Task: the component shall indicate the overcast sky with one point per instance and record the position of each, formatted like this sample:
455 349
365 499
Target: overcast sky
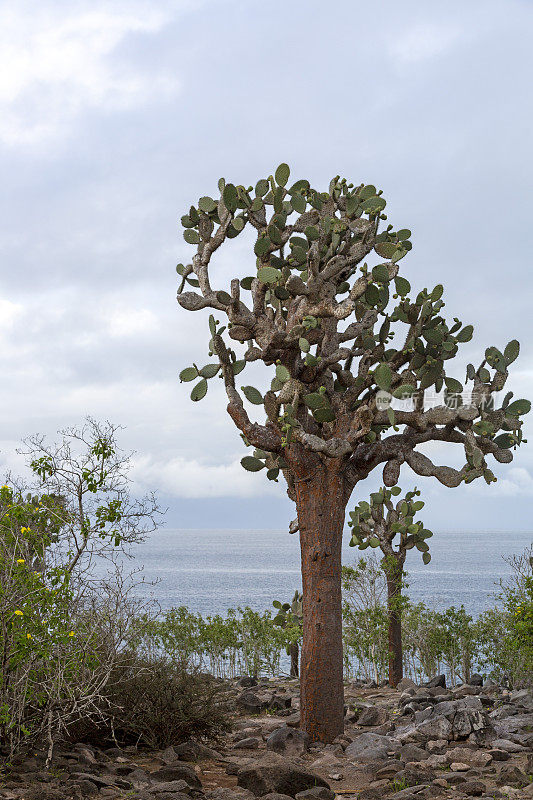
116 116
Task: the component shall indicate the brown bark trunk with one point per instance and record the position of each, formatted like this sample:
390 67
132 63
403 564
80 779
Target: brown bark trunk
321 506
394 593
294 652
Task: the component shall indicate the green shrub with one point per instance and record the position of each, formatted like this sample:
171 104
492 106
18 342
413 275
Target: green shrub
158 702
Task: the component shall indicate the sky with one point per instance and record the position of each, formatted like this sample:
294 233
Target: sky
116 117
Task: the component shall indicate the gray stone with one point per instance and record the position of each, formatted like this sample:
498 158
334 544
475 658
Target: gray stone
250 743
375 715
316 793
177 772
274 773
438 680
288 740
370 747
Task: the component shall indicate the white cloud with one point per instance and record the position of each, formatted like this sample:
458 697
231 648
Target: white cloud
424 41
57 62
517 481
180 477
124 322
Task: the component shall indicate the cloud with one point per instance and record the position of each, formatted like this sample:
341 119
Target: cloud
424 41
59 61
180 477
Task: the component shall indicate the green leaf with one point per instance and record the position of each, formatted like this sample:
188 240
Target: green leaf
504 441
304 345
269 275
381 274
403 391
272 474
324 414
298 203
282 373
311 360
262 246
282 174
199 391
246 283
426 558
367 191
314 400
238 223
395 490
373 541
209 371
230 197
191 236
465 334
436 294
252 464
238 366
385 249
390 415
212 325
253 395
383 376
518 408
312 233
511 351
403 233
453 386
224 298
206 204
188 374
403 287
262 187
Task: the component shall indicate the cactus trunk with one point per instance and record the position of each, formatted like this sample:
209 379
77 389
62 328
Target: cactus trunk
394 595
321 507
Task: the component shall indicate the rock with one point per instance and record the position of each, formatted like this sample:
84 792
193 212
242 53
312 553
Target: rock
274 773
275 796
279 703
459 766
375 715
476 758
473 788
406 683
370 747
410 752
476 680
169 789
437 746
511 774
177 772
436 728
253 702
438 680
316 793
250 743
233 793
288 740
499 755
247 681
507 745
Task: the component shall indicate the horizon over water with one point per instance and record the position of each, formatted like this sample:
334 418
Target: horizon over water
210 571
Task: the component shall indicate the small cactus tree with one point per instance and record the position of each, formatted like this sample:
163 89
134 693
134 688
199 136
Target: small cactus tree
377 524
326 311
289 617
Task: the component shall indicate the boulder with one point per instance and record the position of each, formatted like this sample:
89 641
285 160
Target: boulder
274 773
316 793
406 683
247 681
438 680
177 772
375 715
290 741
249 743
476 680
370 747
254 702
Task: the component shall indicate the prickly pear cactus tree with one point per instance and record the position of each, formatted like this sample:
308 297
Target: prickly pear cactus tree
324 308
389 524
290 617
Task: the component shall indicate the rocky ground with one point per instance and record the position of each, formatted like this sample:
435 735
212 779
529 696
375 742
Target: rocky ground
470 741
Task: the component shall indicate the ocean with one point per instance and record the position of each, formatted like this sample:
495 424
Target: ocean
210 571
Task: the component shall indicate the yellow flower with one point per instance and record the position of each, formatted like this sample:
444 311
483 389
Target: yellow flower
29 636
72 633
25 530
19 613
20 561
